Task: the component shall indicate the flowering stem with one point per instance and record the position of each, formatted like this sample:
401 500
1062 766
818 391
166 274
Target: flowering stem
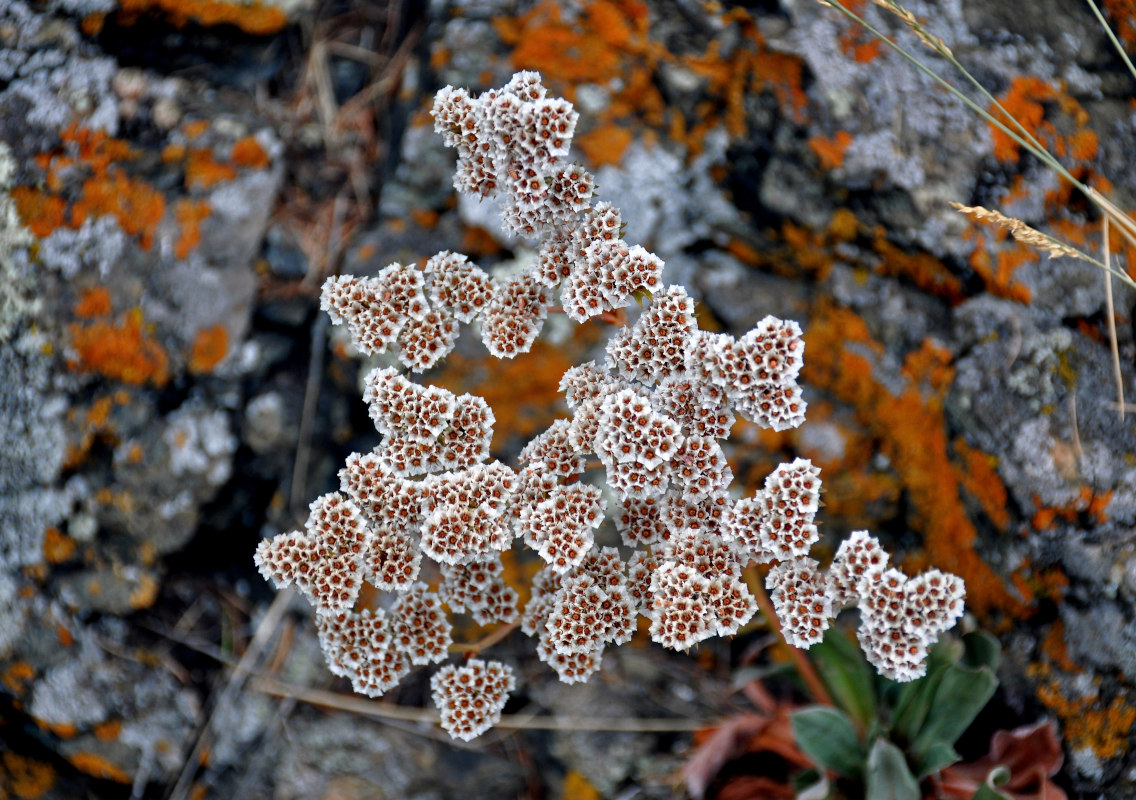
618 317
804 667
473 648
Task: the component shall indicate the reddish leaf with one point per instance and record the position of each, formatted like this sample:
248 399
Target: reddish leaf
1032 754
727 742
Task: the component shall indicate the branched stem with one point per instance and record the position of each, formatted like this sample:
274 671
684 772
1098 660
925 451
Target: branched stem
473 648
804 667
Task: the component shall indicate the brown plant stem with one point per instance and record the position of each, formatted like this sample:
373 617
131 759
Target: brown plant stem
618 317
473 648
804 667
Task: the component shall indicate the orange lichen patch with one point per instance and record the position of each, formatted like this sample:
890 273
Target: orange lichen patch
42 213
1044 584
1087 722
478 242
120 351
57 546
518 574
247 152
1087 503
145 593
136 205
928 273
978 478
997 273
585 51
96 148
209 347
190 214
64 730
98 767
1122 13
254 18
524 392
172 153
94 302
16 677
107 191
743 252
425 217
108 731
608 44
1079 233
911 431
605 144
202 171
830 152
1023 100
807 250
1026 102
24 777
1053 645
859 45
92 24
1083 144
577 787
65 637
194 128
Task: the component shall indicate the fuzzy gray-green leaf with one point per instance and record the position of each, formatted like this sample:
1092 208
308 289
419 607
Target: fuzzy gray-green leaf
827 736
888 777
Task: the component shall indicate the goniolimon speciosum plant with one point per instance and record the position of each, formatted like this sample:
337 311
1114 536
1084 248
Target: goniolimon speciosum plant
429 503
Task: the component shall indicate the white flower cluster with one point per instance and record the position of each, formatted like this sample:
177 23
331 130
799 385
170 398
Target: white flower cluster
655 416
900 616
471 697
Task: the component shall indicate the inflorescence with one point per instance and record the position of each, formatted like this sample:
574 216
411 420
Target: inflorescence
655 415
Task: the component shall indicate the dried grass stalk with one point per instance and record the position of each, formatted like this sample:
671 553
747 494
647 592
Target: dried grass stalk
1022 232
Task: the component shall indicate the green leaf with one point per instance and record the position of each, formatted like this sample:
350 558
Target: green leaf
960 695
846 675
986 793
913 701
982 650
888 777
827 736
939 756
